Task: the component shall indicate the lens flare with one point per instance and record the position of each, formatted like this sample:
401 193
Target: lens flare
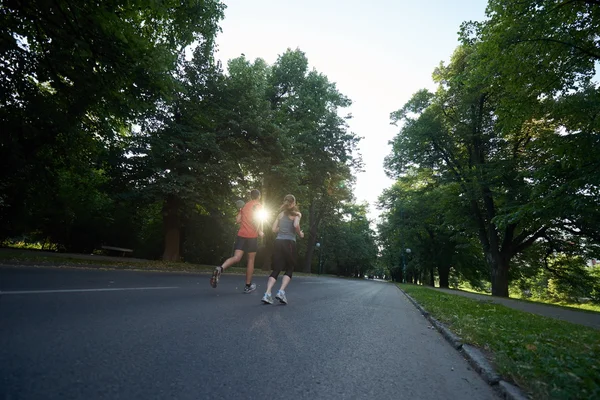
262 215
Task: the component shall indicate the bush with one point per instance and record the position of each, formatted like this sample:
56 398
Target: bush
572 280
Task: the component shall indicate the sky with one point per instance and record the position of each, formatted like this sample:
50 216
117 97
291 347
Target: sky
379 53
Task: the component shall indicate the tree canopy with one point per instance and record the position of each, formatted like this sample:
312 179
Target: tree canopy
511 133
119 113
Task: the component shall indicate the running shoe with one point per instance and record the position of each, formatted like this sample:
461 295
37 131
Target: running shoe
267 298
281 296
214 279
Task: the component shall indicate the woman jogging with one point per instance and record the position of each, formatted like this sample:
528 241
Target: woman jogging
286 225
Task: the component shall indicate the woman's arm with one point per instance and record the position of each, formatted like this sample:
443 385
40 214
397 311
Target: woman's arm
297 225
238 218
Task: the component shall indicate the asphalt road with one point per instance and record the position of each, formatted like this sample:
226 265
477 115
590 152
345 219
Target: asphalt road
78 334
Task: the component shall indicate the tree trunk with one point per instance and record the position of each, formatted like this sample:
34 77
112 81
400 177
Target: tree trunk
172 227
269 239
266 251
499 267
310 248
313 219
431 277
444 273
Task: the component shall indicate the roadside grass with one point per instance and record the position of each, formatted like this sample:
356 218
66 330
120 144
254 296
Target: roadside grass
514 295
31 258
548 358
20 244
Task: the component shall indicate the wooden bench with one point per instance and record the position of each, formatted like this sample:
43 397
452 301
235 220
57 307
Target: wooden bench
118 249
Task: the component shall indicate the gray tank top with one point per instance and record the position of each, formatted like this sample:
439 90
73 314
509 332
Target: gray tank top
286 229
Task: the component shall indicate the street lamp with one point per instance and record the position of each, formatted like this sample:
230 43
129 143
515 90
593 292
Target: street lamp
318 245
404 264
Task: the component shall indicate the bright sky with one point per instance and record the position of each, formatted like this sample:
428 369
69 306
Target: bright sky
379 53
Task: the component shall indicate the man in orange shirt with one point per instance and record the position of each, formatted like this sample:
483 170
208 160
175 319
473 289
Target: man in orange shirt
246 241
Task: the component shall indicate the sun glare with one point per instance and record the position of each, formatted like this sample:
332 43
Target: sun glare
262 215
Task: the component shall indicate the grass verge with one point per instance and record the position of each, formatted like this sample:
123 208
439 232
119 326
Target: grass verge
548 358
31 258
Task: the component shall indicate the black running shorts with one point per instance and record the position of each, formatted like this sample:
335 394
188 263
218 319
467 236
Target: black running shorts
249 245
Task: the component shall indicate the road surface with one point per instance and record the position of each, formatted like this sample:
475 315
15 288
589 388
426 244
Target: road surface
82 334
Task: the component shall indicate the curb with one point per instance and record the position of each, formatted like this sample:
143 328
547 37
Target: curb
474 356
450 336
481 364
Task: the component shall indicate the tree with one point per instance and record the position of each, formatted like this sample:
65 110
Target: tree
537 60
425 217
455 131
297 142
492 126
349 247
73 76
182 156
322 151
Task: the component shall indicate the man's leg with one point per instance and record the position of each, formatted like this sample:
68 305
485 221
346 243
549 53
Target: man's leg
251 248
250 268
237 256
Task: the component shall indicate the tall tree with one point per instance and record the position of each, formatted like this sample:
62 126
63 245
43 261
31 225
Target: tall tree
349 247
73 76
422 214
181 155
495 157
298 143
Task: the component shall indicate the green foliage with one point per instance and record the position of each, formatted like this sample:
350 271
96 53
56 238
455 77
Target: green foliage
549 358
136 146
571 280
423 216
513 125
349 247
74 76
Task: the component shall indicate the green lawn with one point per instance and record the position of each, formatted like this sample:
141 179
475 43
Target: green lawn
31 257
28 258
548 358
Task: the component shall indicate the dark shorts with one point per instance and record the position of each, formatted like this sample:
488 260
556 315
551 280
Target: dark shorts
249 245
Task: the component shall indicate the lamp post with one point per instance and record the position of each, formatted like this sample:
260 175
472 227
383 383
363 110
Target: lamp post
404 264
318 245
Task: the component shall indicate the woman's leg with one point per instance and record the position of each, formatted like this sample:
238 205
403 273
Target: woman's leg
284 282
290 258
270 283
278 264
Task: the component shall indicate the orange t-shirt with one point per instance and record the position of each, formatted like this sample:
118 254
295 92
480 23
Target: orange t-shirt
248 227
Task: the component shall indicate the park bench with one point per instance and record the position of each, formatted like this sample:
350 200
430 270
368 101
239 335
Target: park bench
121 250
